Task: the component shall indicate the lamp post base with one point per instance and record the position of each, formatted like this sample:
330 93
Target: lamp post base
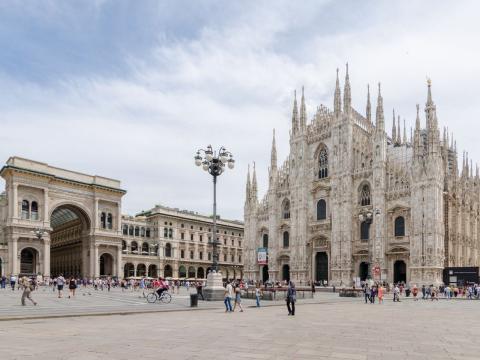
214 290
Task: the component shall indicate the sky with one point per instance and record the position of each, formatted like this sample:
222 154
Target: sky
131 89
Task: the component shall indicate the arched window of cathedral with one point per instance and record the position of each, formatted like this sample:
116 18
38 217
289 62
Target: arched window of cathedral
364 230
365 195
286 209
286 239
25 209
34 210
400 226
321 210
265 240
323 163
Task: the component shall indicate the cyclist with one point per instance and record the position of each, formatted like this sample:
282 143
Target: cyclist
162 286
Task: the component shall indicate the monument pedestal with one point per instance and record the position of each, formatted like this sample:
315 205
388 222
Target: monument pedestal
214 290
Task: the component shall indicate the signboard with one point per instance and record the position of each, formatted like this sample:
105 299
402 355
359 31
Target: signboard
262 256
376 270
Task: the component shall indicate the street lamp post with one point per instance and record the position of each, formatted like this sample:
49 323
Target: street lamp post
214 162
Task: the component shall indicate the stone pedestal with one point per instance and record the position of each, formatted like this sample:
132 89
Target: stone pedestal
214 290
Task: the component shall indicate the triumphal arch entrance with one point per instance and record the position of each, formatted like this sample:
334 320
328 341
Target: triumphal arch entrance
80 213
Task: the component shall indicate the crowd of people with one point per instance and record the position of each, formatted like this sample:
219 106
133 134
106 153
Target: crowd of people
377 290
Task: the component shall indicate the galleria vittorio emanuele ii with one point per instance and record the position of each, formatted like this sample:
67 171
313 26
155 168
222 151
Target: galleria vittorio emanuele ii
352 202
86 234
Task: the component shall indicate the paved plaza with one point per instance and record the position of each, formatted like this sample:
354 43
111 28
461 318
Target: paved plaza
325 327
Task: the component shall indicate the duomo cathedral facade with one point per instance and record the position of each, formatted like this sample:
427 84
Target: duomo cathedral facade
352 202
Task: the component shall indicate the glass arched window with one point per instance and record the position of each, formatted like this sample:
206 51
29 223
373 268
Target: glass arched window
125 229
286 209
400 226
323 164
34 212
109 221
165 232
137 231
147 232
365 195
103 220
130 230
168 250
145 248
321 210
364 230
286 239
265 240
25 209
170 233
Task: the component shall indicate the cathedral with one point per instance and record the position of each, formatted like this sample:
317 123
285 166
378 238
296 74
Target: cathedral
352 202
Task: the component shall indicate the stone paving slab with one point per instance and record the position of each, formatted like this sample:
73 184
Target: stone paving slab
330 330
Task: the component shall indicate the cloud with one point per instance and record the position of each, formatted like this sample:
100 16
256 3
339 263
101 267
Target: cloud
142 99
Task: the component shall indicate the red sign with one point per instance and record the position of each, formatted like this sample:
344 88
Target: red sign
376 270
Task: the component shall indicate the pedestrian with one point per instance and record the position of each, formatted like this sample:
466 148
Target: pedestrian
227 297
27 290
13 280
60 283
366 293
396 294
380 294
72 285
238 299
257 294
372 295
291 298
4 281
424 292
415 292
200 290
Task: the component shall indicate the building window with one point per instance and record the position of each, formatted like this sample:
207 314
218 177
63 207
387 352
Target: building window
168 250
134 246
286 239
365 195
145 248
103 220
200 255
323 163
224 241
191 227
239 258
286 209
400 226
130 231
124 245
182 254
233 242
239 243
201 228
165 232
142 232
182 226
321 210
201 238
125 229
170 233
191 237
233 258
209 256
109 221
265 240
191 255
34 210
364 230
147 232
25 209
225 257
182 236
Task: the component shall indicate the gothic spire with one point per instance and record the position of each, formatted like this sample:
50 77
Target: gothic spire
379 119
347 95
369 106
254 184
404 133
417 120
394 130
303 112
273 158
295 113
399 133
337 102
248 188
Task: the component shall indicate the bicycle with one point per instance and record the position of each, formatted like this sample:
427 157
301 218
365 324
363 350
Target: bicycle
164 298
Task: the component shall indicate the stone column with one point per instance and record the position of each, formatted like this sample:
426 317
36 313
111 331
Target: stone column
119 217
46 218
92 261
13 247
15 201
119 262
95 214
46 257
96 262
